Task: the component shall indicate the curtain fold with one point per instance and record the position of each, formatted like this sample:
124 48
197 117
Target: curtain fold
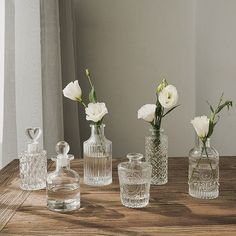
32 79
69 73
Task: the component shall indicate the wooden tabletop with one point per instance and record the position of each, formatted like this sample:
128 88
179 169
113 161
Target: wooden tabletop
171 210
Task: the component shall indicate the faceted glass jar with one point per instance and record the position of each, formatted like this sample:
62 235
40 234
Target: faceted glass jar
33 170
203 172
63 187
97 158
135 179
156 149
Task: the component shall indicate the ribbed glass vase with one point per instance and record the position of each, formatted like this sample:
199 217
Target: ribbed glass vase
156 149
203 171
97 158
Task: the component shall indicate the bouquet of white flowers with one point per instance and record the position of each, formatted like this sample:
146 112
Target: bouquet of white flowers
204 127
156 145
95 111
167 98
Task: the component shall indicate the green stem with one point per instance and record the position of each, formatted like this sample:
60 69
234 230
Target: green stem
83 104
101 139
90 82
208 159
194 169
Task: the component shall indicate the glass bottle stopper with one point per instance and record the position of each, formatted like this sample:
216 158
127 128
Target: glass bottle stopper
62 148
33 134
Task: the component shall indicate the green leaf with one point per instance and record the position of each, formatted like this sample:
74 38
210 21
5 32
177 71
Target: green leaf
92 95
227 104
212 110
170 110
211 128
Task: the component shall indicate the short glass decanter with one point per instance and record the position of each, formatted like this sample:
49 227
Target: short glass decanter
97 158
63 184
203 171
33 163
156 149
135 179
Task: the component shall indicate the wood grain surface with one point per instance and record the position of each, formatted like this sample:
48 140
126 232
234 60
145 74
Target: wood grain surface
171 210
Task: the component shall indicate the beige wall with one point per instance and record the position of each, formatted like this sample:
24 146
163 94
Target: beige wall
216 65
129 45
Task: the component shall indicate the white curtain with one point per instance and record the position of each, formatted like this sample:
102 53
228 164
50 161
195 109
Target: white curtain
32 81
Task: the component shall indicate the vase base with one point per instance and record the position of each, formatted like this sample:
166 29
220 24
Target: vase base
159 182
203 194
33 187
97 181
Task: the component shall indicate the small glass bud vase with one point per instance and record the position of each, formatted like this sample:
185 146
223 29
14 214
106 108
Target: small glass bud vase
156 149
33 163
97 158
63 184
203 171
135 179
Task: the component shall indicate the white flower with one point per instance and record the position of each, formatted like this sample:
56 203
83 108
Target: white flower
147 112
168 97
201 126
73 91
95 111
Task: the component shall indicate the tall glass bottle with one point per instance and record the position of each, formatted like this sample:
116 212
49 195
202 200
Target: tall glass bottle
33 163
63 184
156 149
203 171
97 158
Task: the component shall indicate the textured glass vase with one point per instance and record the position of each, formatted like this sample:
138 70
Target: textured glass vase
134 178
156 149
203 171
97 158
63 184
33 163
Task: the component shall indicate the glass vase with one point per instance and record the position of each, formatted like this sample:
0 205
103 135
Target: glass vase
33 170
203 171
156 149
97 158
63 184
33 162
134 178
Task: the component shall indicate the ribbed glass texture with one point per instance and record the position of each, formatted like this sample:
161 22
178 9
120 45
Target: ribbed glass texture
97 158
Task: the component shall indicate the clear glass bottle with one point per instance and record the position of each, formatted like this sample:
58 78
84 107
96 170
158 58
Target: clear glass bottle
33 163
135 179
63 184
203 171
156 149
97 158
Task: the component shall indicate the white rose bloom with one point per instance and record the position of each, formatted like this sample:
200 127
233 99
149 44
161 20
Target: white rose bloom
168 97
201 126
147 112
95 111
73 91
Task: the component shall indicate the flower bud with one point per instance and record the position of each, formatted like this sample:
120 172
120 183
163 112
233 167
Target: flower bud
162 85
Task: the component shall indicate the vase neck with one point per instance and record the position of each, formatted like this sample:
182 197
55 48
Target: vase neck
200 143
97 130
134 157
154 131
62 164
